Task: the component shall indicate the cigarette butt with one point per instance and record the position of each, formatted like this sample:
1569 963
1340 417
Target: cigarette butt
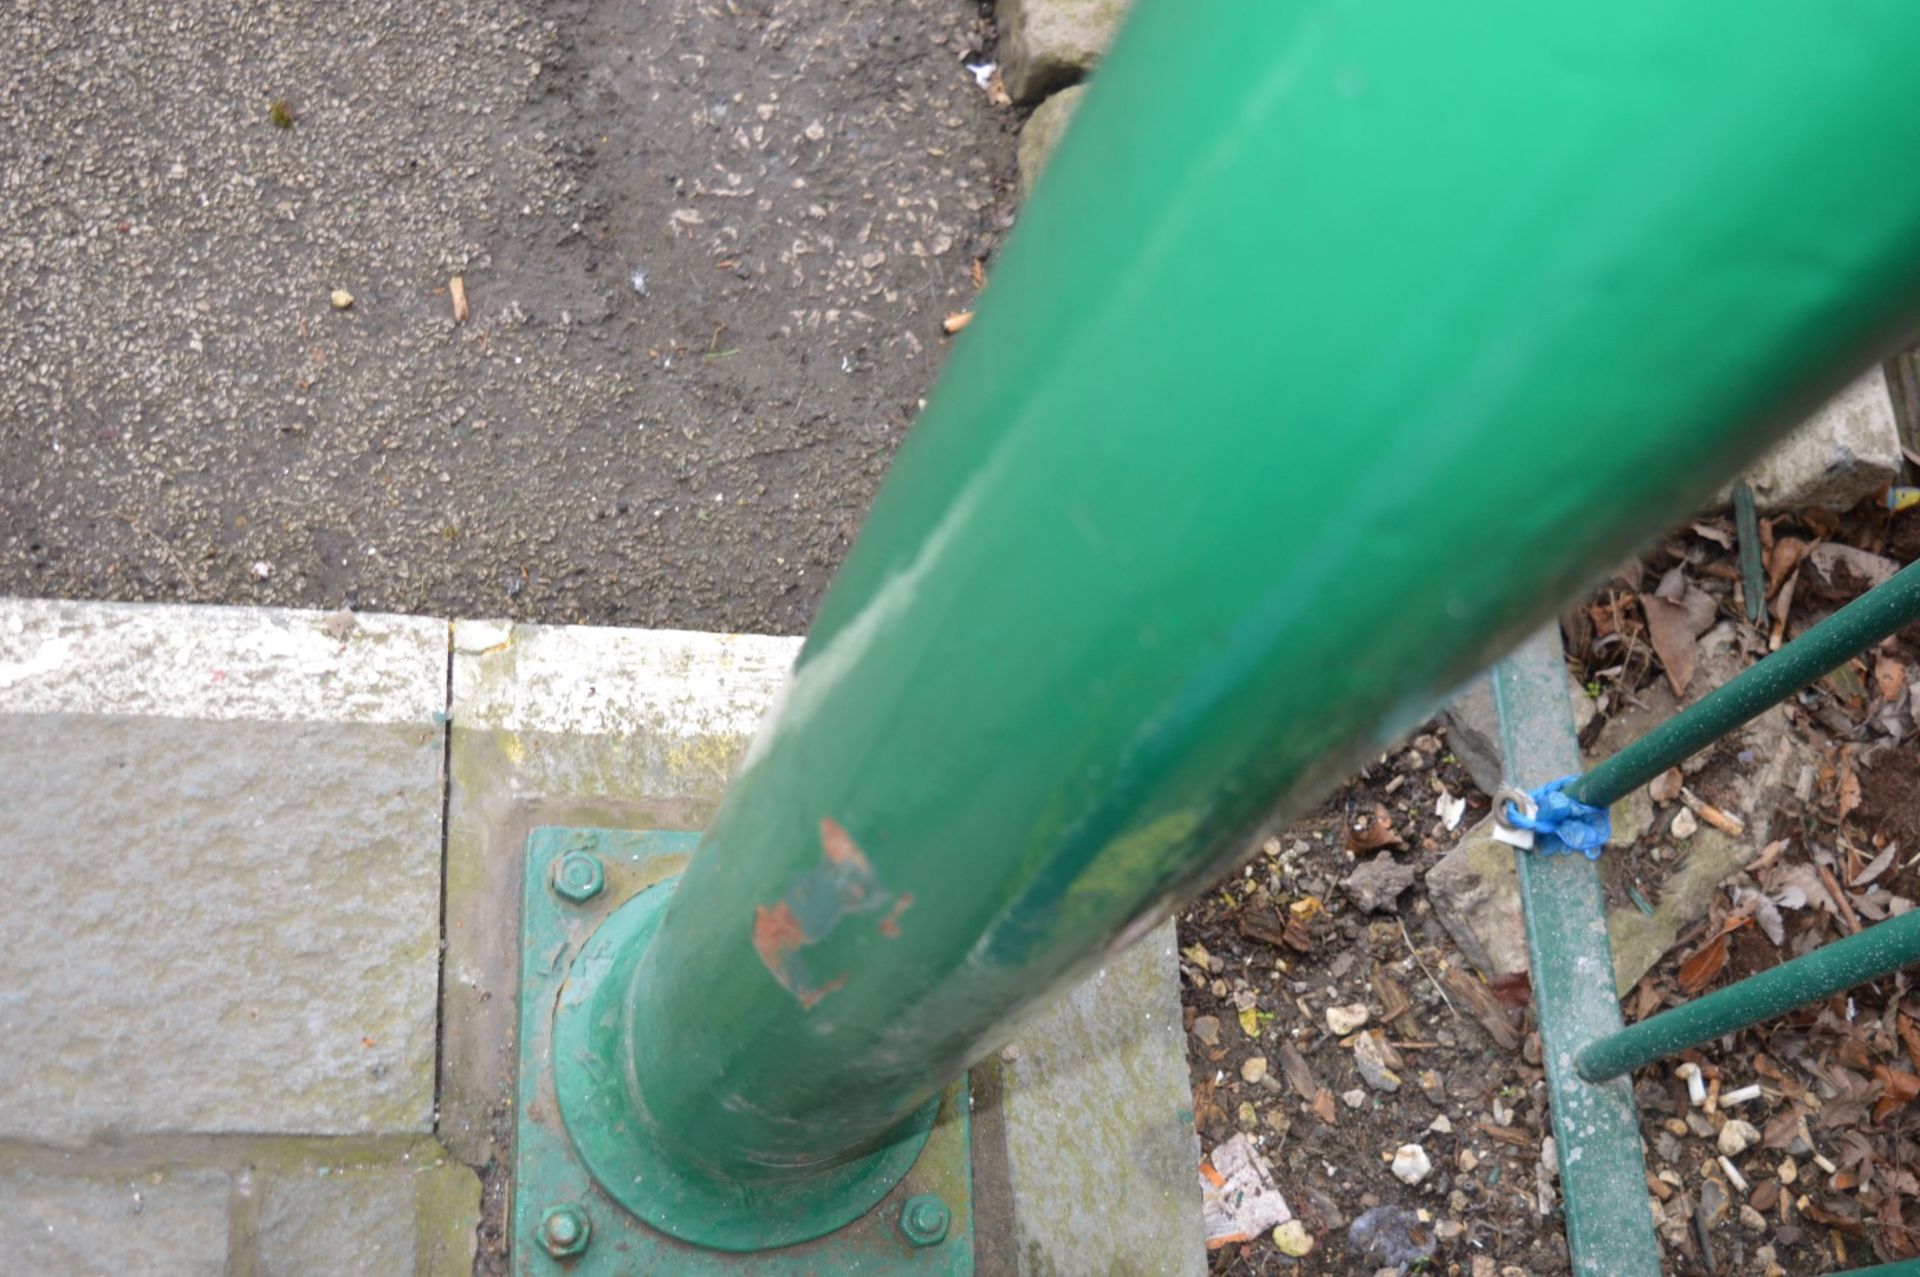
1734 1177
955 322
457 289
1740 1096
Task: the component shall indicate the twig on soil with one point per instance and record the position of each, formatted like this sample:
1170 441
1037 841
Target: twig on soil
1412 953
1840 900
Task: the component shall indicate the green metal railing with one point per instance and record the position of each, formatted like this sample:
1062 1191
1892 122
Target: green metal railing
1875 952
1329 359
1587 1051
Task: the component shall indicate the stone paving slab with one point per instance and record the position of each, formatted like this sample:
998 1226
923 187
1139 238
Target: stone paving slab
156 1225
1048 44
1096 1117
1847 451
329 1222
246 1207
220 834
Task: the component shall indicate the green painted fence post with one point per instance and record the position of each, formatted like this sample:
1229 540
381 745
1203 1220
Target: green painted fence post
1342 342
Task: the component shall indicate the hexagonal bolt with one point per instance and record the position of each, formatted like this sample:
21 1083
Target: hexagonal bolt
565 1230
924 1220
579 877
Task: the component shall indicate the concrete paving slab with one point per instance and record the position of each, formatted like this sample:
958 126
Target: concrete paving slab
220 831
1095 1111
1847 451
157 1225
325 1222
1047 44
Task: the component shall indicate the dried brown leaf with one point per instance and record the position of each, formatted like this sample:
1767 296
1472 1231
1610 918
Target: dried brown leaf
1879 865
1832 1219
1849 788
1390 994
1262 924
1782 605
1889 678
1703 967
1909 1038
1783 1128
1838 563
1671 630
1782 559
1371 833
1514 989
1894 1235
1902 1088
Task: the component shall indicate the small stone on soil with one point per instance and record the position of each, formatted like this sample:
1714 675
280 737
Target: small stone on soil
1344 1020
1410 1164
1369 1058
1293 1238
1375 886
1736 1137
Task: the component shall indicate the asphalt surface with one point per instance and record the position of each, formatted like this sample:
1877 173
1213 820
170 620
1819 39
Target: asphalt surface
706 249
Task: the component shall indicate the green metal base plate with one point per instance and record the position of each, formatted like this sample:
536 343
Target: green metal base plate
576 881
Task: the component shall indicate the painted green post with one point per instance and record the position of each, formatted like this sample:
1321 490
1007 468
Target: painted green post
1879 950
1595 1124
1341 343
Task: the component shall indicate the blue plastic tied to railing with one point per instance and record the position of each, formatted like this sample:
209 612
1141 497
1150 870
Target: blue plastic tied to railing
1559 821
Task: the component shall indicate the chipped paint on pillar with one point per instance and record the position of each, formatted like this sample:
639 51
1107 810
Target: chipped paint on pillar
813 905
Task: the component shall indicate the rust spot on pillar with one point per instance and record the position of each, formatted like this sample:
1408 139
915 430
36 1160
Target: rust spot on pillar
813 905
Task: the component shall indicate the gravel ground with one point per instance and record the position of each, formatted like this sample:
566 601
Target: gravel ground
706 249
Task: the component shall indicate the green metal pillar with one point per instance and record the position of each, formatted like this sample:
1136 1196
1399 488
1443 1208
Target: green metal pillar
1341 344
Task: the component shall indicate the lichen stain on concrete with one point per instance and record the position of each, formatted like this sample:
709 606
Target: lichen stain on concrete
813 905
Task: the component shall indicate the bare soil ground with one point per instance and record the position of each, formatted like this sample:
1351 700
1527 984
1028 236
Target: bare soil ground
1830 1162
706 245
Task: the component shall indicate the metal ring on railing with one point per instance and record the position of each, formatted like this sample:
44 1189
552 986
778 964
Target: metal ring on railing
1520 798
